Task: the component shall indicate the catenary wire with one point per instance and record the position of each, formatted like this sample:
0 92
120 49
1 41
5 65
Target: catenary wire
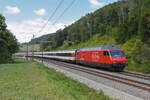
65 10
52 15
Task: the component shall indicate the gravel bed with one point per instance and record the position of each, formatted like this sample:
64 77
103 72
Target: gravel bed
111 88
116 74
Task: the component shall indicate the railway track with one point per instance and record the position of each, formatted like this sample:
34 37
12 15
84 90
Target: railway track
134 83
137 75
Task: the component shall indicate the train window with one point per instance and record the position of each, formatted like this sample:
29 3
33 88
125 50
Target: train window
49 54
106 53
63 54
116 53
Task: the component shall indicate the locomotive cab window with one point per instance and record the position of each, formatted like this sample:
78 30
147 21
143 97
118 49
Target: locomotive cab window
116 53
106 53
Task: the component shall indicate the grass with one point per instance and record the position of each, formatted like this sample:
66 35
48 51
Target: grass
26 80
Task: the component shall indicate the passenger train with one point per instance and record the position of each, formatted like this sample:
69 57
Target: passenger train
110 57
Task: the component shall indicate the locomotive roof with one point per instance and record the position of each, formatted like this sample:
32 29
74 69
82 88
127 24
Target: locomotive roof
101 47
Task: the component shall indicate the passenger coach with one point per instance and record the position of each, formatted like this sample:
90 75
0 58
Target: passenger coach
64 55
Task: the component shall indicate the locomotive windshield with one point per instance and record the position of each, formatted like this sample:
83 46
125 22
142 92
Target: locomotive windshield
116 53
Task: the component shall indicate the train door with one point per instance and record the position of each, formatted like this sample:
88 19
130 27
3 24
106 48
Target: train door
106 57
101 57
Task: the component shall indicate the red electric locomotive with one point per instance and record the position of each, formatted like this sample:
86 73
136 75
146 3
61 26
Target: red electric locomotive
105 56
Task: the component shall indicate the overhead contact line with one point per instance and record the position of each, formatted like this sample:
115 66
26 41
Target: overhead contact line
65 10
52 15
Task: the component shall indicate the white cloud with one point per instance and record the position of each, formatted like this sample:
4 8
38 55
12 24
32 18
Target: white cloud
95 3
25 29
12 10
40 12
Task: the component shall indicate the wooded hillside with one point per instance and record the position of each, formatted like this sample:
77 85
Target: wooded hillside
125 23
39 39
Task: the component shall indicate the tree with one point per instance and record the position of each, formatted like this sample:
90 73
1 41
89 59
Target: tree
8 43
4 53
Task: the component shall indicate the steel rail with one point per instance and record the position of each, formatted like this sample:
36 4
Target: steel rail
103 75
118 77
145 77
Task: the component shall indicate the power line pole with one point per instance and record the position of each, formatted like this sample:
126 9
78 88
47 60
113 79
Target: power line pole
91 28
42 55
27 52
89 23
33 48
43 48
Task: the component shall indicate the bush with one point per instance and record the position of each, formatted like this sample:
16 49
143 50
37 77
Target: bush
143 54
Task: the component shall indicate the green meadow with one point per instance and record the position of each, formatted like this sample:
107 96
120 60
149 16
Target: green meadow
26 80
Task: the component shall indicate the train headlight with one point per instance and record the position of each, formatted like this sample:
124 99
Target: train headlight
124 62
114 62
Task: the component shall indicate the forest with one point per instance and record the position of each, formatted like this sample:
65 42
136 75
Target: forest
8 43
125 23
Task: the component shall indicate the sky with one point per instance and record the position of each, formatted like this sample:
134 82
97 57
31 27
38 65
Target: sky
25 18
